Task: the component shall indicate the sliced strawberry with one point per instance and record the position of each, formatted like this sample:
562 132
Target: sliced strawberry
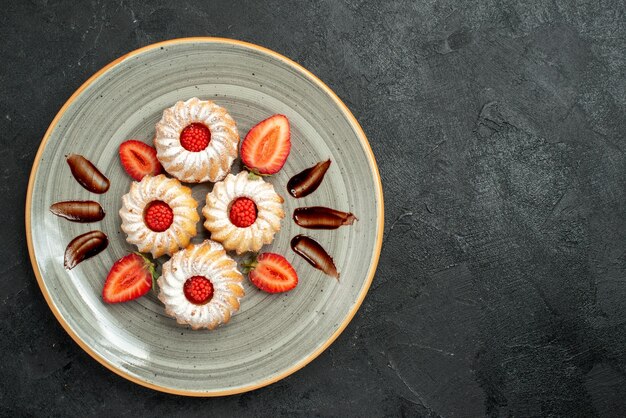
139 159
271 273
266 147
130 277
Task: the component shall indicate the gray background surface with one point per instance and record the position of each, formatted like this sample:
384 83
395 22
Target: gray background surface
499 129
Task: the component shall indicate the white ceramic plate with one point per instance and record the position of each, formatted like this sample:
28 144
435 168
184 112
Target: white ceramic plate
272 336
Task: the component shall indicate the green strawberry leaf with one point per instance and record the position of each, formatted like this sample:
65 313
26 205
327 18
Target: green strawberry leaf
249 264
151 268
254 173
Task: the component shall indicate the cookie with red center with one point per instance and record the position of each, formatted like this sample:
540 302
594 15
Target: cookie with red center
195 137
196 141
201 286
158 216
243 212
198 290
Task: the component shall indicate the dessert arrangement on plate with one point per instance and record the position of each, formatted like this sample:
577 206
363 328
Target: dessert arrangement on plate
200 285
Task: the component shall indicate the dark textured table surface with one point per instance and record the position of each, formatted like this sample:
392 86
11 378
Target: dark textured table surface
500 134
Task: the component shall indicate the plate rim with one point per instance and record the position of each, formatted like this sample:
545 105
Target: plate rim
377 246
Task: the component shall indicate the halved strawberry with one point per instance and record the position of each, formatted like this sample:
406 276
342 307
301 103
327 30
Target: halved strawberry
266 147
139 159
271 273
130 277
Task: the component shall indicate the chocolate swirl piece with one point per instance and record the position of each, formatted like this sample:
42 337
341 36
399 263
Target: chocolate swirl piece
87 174
306 182
83 247
78 210
316 256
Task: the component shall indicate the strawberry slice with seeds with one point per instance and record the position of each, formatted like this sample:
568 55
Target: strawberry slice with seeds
130 277
266 147
271 273
139 159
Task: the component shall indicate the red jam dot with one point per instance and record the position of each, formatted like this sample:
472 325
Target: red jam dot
158 216
195 137
198 290
243 212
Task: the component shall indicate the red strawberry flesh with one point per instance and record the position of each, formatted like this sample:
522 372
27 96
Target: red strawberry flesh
139 159
266 147
129 278
272 273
